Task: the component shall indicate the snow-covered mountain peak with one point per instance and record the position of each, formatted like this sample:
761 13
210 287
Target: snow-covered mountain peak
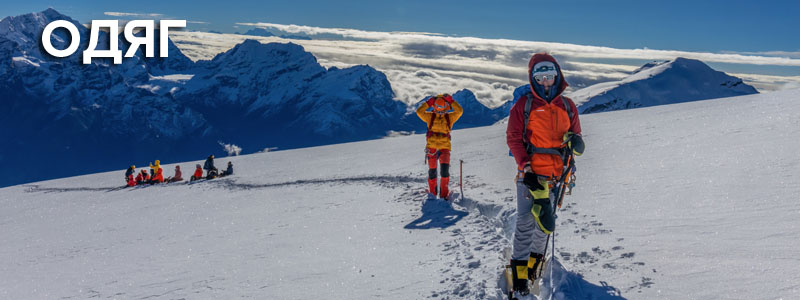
30 23
26 30
683 65
369 83
650 65
467 99
255 52
658 83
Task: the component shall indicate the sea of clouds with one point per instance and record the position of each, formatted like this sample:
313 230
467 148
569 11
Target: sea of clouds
423 64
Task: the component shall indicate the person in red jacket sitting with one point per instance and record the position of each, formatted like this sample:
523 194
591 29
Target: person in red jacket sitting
198 173
158 177
131 181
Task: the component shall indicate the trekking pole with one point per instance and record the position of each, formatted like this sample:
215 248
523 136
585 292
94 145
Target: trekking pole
556 204
552 259
461 177
561 188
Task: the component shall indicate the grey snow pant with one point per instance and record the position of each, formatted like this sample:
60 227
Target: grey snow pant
528 237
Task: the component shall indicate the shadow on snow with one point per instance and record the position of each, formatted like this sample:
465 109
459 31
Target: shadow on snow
383 180
570 285
436 214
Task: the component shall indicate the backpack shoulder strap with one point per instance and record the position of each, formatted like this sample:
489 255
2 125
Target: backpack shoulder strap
568 107
528 103
447 119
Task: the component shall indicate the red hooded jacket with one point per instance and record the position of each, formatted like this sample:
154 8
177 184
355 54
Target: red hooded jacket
546 125
159 177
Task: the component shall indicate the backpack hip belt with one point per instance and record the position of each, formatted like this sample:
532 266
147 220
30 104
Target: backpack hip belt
431 133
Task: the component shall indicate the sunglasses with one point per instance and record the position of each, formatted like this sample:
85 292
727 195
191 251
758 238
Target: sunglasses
540 78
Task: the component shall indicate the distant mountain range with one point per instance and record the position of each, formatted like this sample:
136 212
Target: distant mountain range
78 119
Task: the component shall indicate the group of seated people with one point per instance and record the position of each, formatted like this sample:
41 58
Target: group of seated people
211 170
156 174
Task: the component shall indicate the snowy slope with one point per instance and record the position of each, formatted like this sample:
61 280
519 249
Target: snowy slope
687 201
676 81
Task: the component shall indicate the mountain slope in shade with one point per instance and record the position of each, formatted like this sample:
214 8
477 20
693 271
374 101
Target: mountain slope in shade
475 113
82 118
277 93
676 81
87 118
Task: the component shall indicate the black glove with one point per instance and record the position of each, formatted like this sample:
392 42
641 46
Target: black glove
532 182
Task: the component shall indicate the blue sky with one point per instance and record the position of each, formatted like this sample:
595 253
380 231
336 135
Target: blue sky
715 26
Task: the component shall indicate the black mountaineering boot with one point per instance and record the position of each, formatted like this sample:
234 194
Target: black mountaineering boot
519 271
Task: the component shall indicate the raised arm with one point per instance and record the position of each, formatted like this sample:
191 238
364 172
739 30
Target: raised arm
457 112
422 112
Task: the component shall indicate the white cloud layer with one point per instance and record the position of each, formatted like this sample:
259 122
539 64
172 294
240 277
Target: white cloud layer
133 15
422 64
471 43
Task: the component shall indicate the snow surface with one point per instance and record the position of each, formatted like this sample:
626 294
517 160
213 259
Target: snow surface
686 201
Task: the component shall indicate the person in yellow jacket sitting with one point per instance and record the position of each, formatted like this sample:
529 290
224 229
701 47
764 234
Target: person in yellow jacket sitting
444 113
158 176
